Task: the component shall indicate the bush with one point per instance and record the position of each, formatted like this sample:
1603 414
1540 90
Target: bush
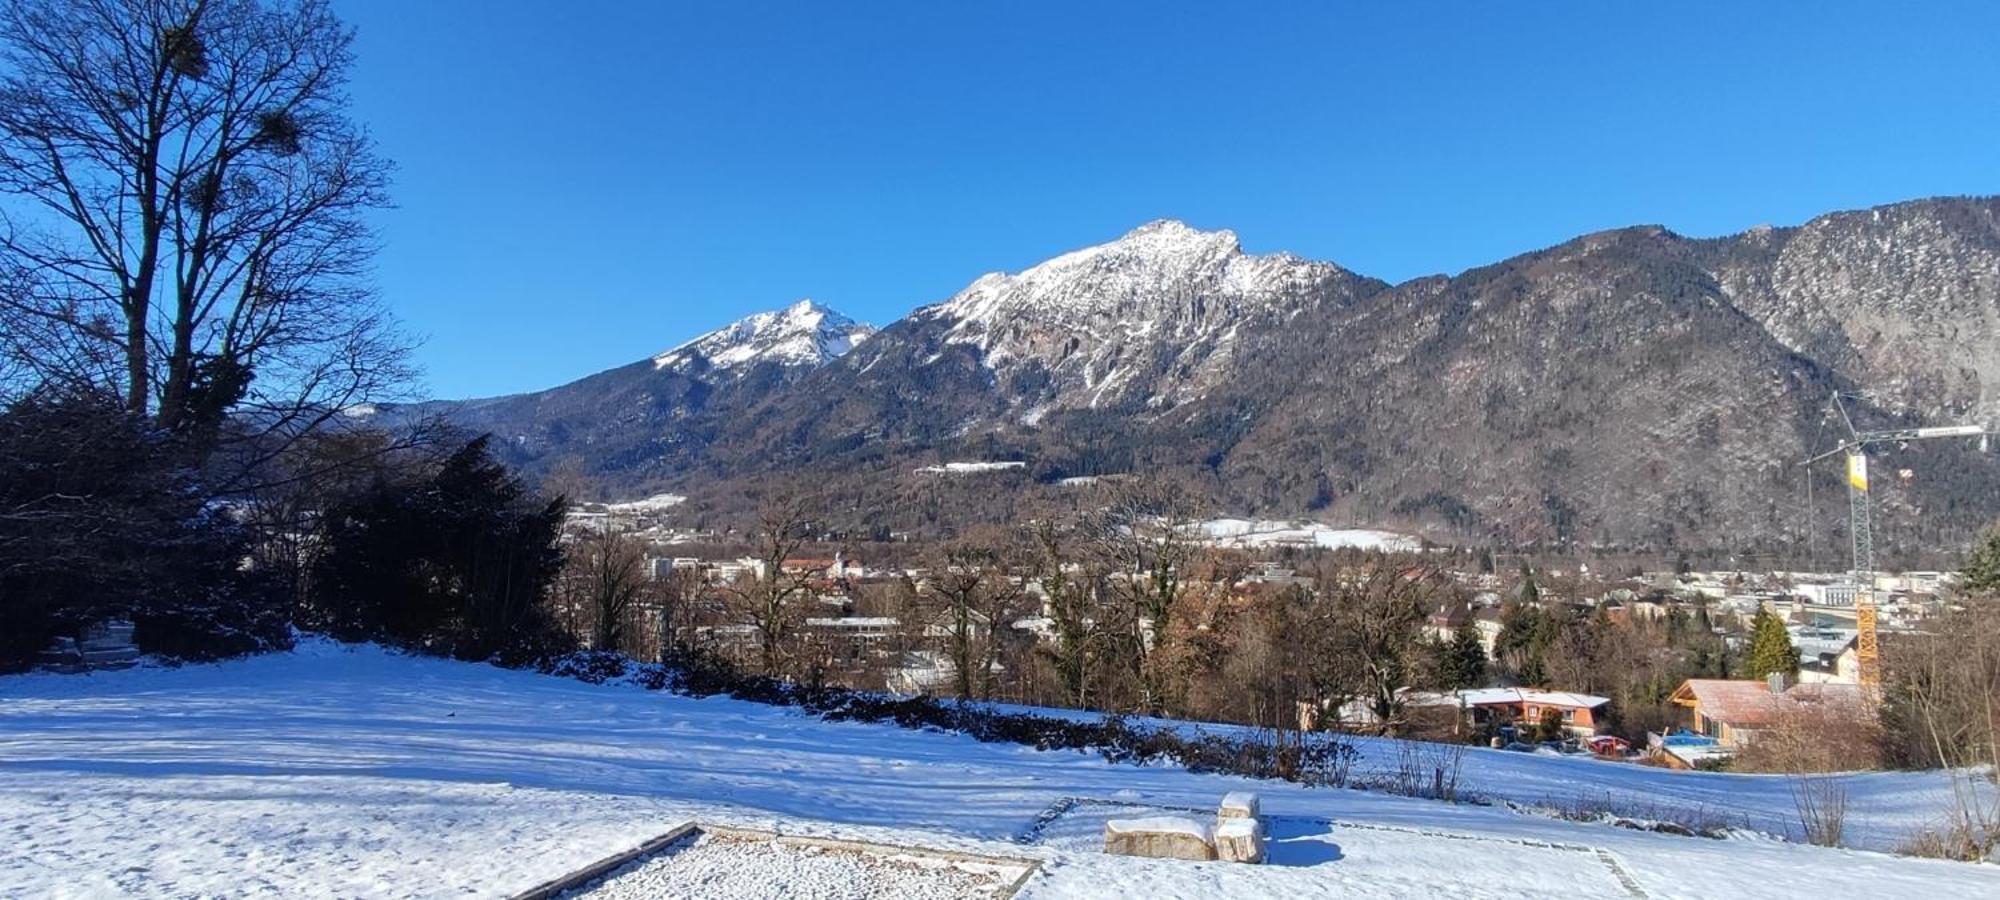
454 562
102 517
1321 758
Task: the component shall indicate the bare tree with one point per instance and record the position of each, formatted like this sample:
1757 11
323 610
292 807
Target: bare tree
673 606
1146 534
604 581
193 195
973 602
1068 589
1941 707
772 602
1371 626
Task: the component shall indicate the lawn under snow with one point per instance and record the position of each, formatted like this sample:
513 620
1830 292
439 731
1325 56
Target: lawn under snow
341 771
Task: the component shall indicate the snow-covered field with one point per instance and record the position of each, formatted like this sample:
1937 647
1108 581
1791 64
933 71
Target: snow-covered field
1278 533
341 771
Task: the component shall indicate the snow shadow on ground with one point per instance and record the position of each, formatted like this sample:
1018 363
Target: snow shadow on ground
1299 842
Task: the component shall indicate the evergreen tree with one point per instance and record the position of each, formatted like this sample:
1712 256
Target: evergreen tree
1467 658
1982 568
1771 647
457 562
1534 673
1531 593
1550 726
102 517
1518 624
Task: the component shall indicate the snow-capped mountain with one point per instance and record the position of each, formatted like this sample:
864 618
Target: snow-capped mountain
1155 316
649 419
1631 387
803 334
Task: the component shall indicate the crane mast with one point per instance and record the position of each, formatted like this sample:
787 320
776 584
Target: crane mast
1861 526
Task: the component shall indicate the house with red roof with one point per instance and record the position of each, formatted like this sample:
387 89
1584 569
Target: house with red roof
1732 712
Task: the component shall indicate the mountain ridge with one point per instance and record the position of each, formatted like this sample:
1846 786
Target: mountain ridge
1628 386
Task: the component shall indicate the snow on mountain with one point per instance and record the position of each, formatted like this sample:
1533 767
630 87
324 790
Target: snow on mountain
970 468
803 334
1108 321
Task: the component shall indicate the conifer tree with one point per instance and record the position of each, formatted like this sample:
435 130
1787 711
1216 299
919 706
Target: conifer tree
1468 658
1530 592
1982 568
1771 647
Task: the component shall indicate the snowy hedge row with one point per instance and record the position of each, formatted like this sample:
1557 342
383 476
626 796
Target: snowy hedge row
1320 758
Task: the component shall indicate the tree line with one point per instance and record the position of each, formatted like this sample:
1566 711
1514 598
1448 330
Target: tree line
189 347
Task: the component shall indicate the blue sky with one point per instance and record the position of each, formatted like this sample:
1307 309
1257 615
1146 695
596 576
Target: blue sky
584 184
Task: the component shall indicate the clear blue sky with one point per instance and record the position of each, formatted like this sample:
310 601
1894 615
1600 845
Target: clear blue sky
584 184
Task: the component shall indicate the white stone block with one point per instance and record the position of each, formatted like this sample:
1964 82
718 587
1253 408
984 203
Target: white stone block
1238 805
1159 837
1239 840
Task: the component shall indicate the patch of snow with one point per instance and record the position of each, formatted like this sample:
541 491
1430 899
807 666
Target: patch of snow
655 503
1247 533
971 468
1161 825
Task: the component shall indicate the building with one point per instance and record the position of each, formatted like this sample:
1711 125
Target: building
1582 714
1828 662
1443 624
1489 625
1733 712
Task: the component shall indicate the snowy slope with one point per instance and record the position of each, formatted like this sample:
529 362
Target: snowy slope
803 334
338 771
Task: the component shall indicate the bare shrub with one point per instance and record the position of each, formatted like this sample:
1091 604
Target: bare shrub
1836 734
1956 839
1941 708
1647 814
1428 770
1821 801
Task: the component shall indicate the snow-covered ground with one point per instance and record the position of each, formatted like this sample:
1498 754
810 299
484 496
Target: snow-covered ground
1277 533
341 771
654 504
720 868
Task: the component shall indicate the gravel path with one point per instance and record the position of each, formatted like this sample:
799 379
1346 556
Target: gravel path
724 869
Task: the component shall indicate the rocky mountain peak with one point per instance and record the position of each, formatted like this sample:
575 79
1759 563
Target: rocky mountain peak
805 333
1148 317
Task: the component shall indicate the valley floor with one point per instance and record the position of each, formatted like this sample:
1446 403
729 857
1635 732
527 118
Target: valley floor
342 771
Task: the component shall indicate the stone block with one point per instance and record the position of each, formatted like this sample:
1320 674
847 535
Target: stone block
1159 837
1238 805
1239 840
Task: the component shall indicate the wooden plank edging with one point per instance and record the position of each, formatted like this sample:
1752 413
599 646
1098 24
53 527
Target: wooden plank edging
548 890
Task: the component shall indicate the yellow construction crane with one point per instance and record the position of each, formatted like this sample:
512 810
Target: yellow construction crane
1861 526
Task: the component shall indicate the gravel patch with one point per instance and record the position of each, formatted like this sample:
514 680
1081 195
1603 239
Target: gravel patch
717 868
